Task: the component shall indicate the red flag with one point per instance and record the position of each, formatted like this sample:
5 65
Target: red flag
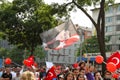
58 70
51 74
67 42
115 58
61 36
75 65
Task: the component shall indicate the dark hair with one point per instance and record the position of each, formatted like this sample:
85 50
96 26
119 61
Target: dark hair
107 72
81 69
74 69
96 73
67 75
81 63
81 76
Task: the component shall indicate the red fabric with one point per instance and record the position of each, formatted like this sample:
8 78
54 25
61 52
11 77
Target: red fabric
31 58
59 37
75 65
115 58
29 61
67 42
58 70
71 40
51 74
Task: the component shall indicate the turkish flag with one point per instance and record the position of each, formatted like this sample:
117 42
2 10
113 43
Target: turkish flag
61 36
115 58
71 40
51 74
31 59
67 42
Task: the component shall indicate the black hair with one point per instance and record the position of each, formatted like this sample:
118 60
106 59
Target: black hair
67 75
96 73
81 76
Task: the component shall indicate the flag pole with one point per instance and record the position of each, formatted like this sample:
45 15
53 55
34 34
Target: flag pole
3 62
79 31
81 44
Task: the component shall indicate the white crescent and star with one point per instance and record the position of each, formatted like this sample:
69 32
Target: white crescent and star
115 58
51 74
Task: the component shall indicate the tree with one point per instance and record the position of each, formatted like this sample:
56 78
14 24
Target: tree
23 20
99 24
90 45
3 52
17 55
39 52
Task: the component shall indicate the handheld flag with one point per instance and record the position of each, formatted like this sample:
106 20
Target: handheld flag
115 58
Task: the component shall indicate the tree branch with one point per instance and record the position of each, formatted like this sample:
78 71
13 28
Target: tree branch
99 16
103 19
68 4
94 23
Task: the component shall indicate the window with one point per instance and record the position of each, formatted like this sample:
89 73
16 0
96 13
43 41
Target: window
118 28
109 10
58 56
70 51
108 19
66 51
119 38
69 59
88 33
118 8
52 57
118 17
52 51
108 28
119 47
64 58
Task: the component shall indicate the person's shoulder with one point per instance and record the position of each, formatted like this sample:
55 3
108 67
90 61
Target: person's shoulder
10 73
4 73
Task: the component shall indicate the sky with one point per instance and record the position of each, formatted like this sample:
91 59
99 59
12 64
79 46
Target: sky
77 17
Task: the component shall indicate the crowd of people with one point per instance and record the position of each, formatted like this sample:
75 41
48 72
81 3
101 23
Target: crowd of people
84 71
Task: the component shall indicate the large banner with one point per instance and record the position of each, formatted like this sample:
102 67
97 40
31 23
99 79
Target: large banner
61 36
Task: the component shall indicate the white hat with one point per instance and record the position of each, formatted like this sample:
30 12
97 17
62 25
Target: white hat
61 76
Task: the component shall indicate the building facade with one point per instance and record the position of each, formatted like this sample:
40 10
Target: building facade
112 26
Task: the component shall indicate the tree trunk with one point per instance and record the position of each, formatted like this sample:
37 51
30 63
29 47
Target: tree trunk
100 26
102 49
101 37
32 51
